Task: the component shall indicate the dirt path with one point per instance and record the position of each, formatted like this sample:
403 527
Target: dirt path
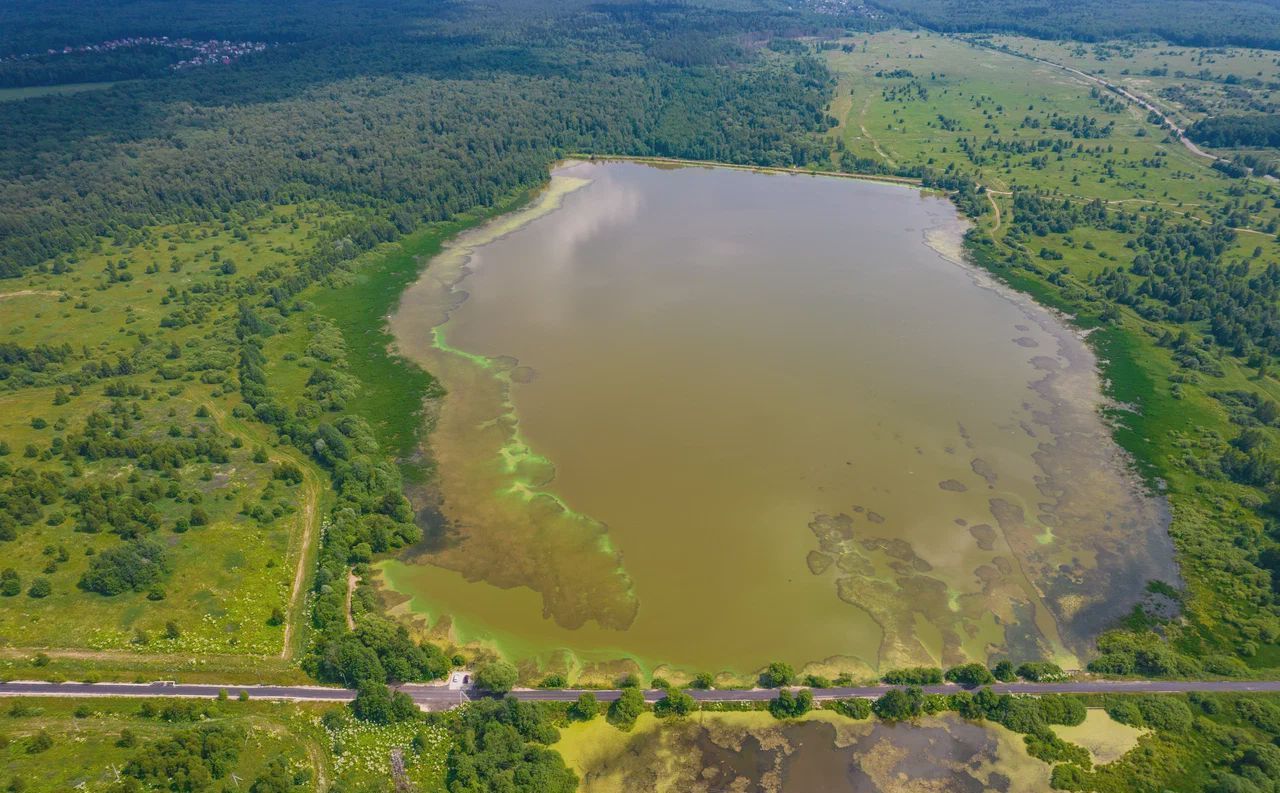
995 207
310 517
875 144
31 292
351 589
315 756
172 659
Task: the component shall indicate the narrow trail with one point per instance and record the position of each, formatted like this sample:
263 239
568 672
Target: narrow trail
316 757
31 293
995 207
875 144
351 588
310 512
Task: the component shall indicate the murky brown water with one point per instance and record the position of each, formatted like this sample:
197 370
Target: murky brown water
713 418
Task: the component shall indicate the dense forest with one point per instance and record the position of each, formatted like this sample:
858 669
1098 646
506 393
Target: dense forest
420 127
1255 130
1200 23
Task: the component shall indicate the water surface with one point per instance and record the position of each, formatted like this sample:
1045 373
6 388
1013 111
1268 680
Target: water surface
752 752
711 418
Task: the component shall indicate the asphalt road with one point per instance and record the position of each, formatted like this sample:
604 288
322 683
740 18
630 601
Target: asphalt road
441 697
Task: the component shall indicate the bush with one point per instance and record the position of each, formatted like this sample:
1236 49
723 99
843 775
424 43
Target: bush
970 675
703 680
553 681
586 708
789 706
132 566
1069 777
1168 714
1058 709
853 708
899 704
40 742
40 588
1044 745
10 583
675 703
498 677
378 704
1004 672
913 676
1041 672
778 674
624 710
1126 712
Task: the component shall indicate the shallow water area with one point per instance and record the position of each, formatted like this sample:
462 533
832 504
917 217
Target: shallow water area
711 418
823 752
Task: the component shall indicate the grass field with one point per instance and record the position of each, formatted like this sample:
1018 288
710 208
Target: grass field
86 750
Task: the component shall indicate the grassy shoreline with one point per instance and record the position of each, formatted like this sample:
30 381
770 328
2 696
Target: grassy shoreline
392 387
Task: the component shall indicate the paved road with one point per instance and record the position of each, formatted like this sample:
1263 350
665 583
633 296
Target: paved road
442 697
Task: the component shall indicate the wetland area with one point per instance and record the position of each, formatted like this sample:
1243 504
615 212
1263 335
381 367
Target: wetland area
752 751
710 418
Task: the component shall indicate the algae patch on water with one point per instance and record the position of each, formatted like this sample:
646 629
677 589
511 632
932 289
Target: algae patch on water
1106 739
505 526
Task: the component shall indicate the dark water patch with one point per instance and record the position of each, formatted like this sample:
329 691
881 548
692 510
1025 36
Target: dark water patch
984 535
983 469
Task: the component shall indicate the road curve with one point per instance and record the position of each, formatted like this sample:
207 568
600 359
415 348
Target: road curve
439 697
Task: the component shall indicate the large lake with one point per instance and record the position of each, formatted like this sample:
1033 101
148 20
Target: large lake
713 418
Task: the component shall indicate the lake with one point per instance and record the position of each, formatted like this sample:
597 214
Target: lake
712 418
